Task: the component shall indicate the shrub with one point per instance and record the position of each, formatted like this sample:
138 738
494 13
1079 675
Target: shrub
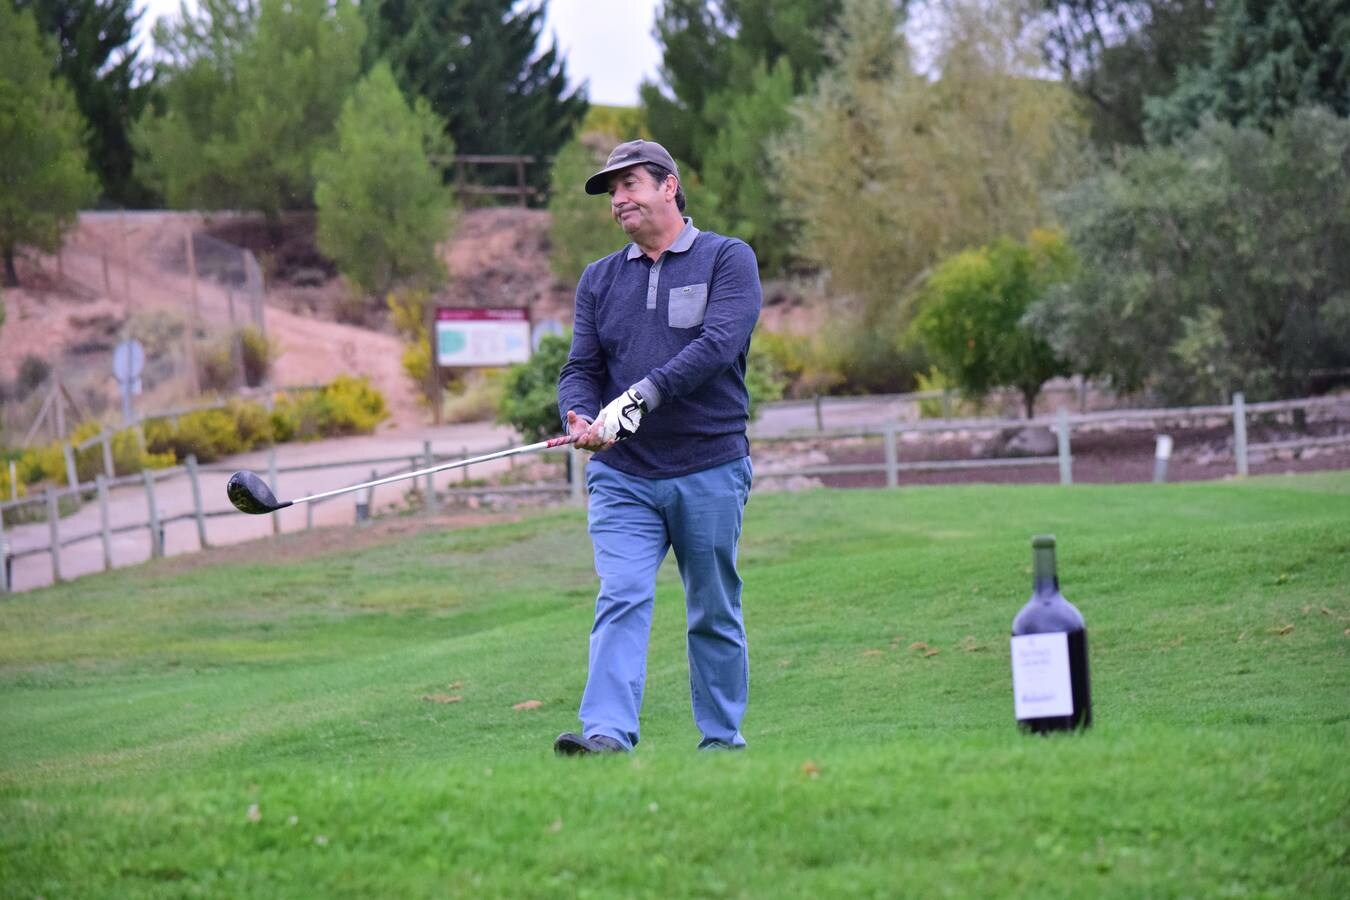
257 355
476 397
350 405
529 400
763 378
208 433
216 369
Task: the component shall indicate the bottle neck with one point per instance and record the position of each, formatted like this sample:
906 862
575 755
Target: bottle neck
1044 579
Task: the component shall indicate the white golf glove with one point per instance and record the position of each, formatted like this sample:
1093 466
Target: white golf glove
621 418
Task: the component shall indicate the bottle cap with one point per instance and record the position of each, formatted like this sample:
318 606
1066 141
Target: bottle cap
1043 542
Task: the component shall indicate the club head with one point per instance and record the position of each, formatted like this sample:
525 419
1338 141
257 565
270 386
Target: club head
250 494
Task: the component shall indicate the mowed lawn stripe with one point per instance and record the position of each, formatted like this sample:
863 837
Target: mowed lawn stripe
344 724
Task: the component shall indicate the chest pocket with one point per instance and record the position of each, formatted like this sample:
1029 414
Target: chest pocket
687 305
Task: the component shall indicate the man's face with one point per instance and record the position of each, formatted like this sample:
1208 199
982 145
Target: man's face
636 199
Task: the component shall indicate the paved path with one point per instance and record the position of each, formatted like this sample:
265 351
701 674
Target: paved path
173 496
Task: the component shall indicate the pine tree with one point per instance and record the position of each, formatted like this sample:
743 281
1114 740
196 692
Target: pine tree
478 64
110 83
710 52
1266 59
248 104
382 207
44 177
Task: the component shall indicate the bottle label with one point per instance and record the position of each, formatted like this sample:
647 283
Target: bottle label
1040 670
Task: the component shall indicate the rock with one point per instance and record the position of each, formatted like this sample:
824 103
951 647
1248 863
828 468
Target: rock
1032 442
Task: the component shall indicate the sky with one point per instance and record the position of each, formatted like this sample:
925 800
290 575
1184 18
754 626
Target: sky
607 43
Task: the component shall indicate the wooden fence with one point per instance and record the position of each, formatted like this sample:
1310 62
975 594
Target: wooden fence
1062 424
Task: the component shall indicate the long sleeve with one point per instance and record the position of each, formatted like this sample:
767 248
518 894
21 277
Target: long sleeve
583 375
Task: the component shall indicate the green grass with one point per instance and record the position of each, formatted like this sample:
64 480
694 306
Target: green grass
260 729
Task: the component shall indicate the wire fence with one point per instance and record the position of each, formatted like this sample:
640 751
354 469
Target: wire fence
78 537
182 294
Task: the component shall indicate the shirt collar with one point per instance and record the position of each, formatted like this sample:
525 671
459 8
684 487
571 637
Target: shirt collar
683 242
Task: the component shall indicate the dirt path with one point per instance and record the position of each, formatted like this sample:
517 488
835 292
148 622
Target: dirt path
173 497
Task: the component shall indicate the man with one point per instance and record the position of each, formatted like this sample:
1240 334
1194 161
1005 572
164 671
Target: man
655 385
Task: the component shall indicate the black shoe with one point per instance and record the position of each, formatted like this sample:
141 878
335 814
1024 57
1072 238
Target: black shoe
721 745
571 744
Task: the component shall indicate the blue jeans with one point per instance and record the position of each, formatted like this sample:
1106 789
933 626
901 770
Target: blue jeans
633 522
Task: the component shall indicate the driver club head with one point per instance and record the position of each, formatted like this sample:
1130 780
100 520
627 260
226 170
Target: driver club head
250 494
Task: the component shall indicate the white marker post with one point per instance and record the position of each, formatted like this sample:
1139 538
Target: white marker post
1161 455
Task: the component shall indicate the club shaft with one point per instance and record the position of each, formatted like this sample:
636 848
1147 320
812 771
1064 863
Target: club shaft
431 470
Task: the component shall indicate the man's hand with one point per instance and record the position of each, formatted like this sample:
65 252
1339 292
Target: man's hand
622 417
588 434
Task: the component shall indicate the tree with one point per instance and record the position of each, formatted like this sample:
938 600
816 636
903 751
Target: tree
478 64
581 227
886 172
710 51
44 177
737 196
971 312
1212 265
1117 53
248 104
1265 58
382 206
99 61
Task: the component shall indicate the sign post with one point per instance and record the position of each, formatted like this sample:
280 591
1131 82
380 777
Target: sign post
128 363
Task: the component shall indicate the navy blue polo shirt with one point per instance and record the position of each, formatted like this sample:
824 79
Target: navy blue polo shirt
679 329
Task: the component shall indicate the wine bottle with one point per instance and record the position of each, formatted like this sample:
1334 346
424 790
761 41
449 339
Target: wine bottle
1049 653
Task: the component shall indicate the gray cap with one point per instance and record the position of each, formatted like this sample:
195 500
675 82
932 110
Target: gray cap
630 153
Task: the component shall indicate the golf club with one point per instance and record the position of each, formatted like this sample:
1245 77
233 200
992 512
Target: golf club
250 494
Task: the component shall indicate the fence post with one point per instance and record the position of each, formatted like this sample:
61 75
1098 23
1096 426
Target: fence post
54 529
892 473
1065 459
272 477
104 520
1161 455
576 475
107 453
13 481
72 476
431 486
197 509
363 509
1240 432
156 536
4 557
820 416
464 454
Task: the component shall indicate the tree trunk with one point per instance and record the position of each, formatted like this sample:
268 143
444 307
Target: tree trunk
1029 398
11 274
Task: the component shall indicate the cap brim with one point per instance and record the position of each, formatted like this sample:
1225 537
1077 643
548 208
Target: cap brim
599 182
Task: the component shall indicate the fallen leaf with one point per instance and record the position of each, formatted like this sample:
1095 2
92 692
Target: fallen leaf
810 769
528 704
918 645
456 685
442 698
254 813
970 645
555 826
932 651
1284 629
1325 611
872 653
